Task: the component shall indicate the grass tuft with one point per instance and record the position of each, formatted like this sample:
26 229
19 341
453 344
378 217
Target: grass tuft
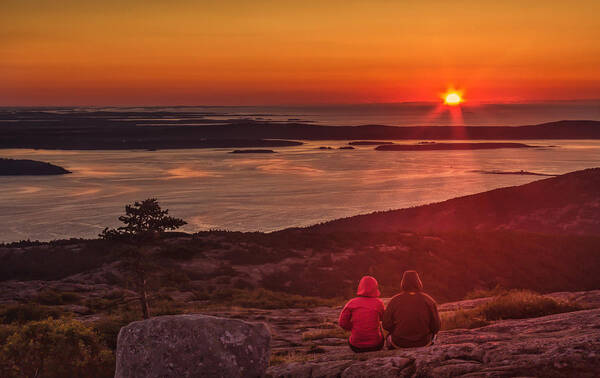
325 334
520 304
289 357
514 304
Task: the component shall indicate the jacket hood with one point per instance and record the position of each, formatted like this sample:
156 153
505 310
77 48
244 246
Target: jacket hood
368 287
411 281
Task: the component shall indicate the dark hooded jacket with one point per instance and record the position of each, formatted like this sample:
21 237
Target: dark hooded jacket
411 317
362 315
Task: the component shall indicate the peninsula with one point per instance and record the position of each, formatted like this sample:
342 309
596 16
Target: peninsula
24 167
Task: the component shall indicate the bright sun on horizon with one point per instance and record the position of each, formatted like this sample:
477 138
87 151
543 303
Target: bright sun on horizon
452 98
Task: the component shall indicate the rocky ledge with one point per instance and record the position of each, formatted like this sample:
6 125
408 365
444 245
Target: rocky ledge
565 344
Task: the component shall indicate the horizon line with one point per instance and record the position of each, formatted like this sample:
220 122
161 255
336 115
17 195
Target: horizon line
465 104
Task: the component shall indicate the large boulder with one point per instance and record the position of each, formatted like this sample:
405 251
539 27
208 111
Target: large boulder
192 346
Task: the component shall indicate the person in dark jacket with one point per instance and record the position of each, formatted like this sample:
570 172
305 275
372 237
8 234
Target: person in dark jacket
362 316
411 317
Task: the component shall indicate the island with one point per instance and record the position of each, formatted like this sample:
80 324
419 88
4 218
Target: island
252 152
368 143
346 148
24 167
449 146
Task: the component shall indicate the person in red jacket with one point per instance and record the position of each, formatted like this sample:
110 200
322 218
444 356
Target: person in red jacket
362 316
411 317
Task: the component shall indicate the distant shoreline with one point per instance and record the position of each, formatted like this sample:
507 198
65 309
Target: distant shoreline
105 130
449 146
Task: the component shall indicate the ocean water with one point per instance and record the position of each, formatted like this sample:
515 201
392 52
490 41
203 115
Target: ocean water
297 186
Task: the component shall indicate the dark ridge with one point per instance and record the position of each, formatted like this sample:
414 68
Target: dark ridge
566 204
12 167
131 130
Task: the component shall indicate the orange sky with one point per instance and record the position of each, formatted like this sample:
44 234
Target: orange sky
135 52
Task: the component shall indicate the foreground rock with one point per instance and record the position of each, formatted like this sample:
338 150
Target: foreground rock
558 345
192 346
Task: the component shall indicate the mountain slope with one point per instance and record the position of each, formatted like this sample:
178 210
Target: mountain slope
567 204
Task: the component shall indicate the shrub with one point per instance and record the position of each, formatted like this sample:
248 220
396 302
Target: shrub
325 334
54 297
289 357
519 304
462 319
108 328
5 332
56 348
484 293
96 304
176 278
22 313
260 298
180 252
514 304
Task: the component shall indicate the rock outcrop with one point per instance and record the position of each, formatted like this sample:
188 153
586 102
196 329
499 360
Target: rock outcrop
565 344
192 346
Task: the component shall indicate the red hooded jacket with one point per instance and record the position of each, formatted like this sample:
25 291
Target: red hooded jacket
362 315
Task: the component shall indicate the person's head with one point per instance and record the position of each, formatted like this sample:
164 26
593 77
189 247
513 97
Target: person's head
411 281
368 287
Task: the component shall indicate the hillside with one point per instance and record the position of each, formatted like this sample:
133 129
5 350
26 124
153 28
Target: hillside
567 204
327 260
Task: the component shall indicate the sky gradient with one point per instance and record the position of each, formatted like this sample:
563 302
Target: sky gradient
295 52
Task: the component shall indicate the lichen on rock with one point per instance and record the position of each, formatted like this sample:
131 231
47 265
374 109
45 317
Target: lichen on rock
192 346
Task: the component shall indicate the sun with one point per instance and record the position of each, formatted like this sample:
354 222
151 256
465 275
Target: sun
452 98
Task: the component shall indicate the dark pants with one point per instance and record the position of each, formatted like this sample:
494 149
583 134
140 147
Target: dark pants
367 349
427 341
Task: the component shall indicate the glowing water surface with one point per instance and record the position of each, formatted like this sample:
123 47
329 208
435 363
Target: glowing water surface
297 186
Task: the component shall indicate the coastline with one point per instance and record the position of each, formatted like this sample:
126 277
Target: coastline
151 131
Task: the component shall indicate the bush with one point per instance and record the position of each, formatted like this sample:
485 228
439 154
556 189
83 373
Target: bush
519 304
53 297
180 252
23 313
55 348
108 328
484 293
462 319
325 334
261 298
514 304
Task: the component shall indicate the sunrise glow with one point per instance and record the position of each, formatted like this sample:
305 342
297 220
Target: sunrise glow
285 52
452 99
